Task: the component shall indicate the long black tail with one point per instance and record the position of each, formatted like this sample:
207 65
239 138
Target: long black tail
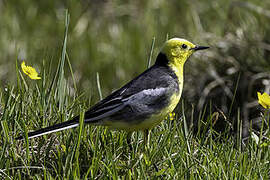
57 127
93 116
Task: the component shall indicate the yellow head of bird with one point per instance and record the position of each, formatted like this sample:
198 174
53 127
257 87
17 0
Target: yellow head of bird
178 50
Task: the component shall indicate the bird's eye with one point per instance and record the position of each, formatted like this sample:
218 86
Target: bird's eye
184 46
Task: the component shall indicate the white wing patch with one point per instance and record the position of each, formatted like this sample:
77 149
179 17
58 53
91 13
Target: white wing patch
154 92
147 92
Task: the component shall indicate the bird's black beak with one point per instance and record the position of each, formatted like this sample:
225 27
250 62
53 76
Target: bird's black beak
196 48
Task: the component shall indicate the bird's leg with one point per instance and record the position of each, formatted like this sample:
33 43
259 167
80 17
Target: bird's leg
129 140
146 139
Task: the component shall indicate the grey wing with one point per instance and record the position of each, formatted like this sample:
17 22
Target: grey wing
142 105
136 107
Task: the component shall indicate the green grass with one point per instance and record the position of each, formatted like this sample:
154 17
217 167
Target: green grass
97 152
87 152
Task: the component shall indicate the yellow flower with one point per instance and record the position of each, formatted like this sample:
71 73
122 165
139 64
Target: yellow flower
29 71
264 100
171 116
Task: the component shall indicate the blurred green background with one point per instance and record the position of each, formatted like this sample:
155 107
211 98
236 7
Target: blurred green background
114 39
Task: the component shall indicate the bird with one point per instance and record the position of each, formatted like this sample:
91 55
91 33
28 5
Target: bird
143 102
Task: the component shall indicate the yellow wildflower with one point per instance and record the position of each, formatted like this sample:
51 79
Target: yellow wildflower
29 71
171 116
264 100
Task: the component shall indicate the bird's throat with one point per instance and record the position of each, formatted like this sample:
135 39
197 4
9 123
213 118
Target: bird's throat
178 68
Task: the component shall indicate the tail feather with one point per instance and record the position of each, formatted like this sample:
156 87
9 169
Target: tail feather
57 127
90 118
